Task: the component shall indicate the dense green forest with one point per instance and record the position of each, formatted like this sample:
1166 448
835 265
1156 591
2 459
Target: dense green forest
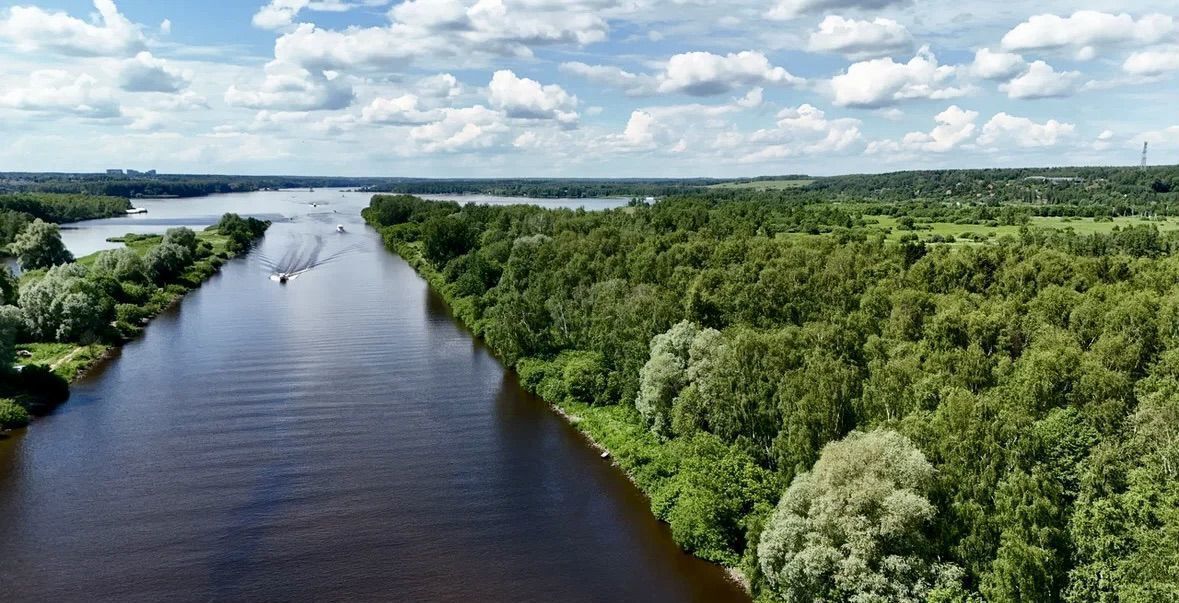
545 188
63 314
18 210
841 415
165 185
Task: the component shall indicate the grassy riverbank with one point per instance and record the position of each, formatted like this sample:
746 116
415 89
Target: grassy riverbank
70 316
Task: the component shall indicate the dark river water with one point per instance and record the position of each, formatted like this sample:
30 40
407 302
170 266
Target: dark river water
336 438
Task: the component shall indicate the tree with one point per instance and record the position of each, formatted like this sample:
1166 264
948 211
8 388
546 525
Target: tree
40 246
852 528
122 264
664 375
11 324
166 261
9 286
183 237
65 306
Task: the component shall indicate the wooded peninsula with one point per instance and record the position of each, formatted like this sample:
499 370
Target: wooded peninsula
62 315
925 386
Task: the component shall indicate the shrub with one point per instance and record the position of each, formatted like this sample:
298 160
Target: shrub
12 415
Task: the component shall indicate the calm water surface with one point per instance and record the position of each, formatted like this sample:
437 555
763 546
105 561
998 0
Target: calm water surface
339 437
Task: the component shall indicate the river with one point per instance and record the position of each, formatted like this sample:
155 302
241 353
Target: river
336 438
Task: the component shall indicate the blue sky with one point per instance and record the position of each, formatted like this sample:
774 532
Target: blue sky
593 88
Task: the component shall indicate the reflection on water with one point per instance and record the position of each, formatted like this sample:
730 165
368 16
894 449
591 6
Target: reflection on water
339 437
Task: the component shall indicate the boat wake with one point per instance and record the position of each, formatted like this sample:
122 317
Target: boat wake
304 256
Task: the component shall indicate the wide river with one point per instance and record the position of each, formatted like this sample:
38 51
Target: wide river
336 438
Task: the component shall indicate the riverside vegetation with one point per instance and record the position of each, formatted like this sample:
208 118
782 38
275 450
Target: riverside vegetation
64 314
844 410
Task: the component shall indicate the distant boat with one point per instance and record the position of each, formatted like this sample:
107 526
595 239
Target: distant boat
339 228
137 210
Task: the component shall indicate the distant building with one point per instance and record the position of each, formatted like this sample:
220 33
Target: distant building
139 173
114 172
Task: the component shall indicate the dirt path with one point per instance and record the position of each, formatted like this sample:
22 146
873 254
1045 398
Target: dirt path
66 358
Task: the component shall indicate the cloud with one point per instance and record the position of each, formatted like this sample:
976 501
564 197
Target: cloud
462 129
1103 141
32 29
145 73
790 9
1085 30
882 82
642 131
401 111
860 39
1023 132
1041 81
704 73
692 73
632 84
278 14
528 99
803 129
166 26
471 29
954 127
991 65
290 88
56 91
1152 62
442 85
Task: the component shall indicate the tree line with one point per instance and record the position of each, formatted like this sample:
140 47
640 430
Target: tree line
841 417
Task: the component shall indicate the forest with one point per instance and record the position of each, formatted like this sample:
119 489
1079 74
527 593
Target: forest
164 185
18 210
62 314
840 413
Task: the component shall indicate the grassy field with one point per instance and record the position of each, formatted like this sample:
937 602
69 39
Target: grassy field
66 359
762 185
1080 225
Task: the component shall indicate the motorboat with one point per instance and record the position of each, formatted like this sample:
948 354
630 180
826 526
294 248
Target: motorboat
339 228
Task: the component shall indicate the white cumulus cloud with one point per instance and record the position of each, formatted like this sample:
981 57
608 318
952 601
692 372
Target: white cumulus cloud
461 129
704 73
146 73
56 91
1085 30
290 88
32 29
1152 62
401 111
991 65
1041 81
799 130
528 99
860 39
955 126
881 82
1023 132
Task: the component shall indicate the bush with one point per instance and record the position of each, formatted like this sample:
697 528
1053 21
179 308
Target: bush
12 415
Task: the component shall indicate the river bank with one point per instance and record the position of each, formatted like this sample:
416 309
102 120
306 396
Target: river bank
131 288
614 430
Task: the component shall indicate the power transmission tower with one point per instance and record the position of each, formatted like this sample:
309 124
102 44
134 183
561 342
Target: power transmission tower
1145 146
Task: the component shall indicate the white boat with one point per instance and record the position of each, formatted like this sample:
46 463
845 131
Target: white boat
137 210
339 228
